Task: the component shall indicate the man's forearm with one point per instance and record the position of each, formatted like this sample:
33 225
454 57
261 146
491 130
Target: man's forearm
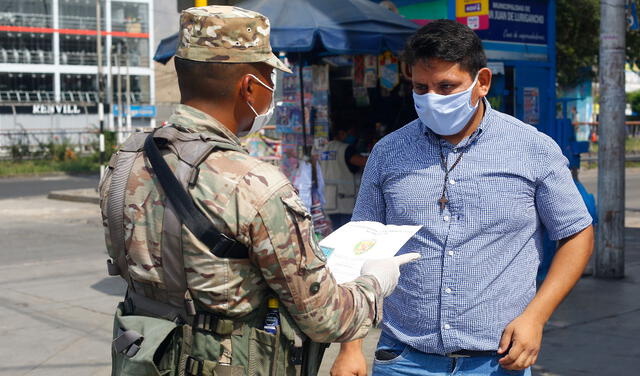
565 271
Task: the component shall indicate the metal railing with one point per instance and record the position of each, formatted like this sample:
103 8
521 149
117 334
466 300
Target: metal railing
130 26
17 96
79 96
79 22
70 22
25 56
26 19
79 58
85 97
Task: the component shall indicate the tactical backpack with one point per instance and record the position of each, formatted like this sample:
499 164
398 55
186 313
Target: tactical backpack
163 331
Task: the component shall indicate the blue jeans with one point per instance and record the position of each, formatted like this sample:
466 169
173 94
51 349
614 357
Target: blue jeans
411 362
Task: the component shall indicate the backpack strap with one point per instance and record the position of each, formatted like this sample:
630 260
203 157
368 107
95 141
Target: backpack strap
125 158
220 244
180 209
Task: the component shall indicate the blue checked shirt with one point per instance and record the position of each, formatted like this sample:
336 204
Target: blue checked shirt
481 253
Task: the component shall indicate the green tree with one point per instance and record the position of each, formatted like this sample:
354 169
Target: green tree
578 40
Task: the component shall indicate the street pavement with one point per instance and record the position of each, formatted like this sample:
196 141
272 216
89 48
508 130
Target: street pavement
589 179
35 186
57 303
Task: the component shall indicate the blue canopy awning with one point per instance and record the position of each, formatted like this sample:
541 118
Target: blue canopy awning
166 49
334 26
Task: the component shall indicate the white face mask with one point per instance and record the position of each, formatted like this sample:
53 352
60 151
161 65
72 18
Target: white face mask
262 119
445 115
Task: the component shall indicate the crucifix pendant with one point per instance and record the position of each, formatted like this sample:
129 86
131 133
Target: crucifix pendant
443 201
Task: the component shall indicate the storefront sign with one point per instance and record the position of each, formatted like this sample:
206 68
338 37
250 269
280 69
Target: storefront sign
138 111
64 109
517 21
51 109
518 30
473 13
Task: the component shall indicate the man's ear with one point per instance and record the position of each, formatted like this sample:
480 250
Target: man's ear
406 70
484 81
247 89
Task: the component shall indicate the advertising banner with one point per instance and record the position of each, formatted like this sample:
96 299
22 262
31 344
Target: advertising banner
518 30
473 13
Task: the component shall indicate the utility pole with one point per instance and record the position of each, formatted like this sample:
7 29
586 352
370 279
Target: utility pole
100 85
128 91
119 92
611 136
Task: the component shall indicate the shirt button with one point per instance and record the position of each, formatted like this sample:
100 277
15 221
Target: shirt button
447 290
447 326
452 182
446 218
314 288
450 253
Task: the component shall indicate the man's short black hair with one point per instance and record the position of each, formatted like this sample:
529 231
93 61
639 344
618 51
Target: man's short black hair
449 41
209 80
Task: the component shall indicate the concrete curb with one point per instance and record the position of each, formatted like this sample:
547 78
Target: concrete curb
76 195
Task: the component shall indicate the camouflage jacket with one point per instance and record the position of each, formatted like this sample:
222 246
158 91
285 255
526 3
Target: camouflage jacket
253 202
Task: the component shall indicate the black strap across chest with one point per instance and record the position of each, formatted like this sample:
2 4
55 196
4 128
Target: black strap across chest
220 244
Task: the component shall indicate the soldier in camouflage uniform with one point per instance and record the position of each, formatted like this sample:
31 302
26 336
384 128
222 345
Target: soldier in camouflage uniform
245 198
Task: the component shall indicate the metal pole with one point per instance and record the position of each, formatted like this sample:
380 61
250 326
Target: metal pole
100 85
119 92
109 86
109 59
306 152
128 91
610 235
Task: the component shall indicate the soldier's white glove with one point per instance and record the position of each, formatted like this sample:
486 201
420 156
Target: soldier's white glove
387 271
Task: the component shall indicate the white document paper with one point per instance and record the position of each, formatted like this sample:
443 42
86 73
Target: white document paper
351 245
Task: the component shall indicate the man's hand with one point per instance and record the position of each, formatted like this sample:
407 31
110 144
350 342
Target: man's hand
387 271
350 361
522 337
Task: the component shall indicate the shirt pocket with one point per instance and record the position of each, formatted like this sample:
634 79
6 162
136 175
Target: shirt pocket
504 201
312 256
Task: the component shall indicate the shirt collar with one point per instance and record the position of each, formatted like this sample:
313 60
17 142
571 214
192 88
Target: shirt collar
196 121
482 128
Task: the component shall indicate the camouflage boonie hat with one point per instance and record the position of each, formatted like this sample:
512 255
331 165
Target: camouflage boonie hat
226 34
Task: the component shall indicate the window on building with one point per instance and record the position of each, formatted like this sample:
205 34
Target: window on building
78 88
140 87
80 50
130 17
26 48
136 50
26 87
80 14
31 13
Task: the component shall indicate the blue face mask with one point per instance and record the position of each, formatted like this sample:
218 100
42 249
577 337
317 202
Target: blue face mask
445 115
351 139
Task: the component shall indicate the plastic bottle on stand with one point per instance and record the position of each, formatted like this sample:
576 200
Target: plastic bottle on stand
272 321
